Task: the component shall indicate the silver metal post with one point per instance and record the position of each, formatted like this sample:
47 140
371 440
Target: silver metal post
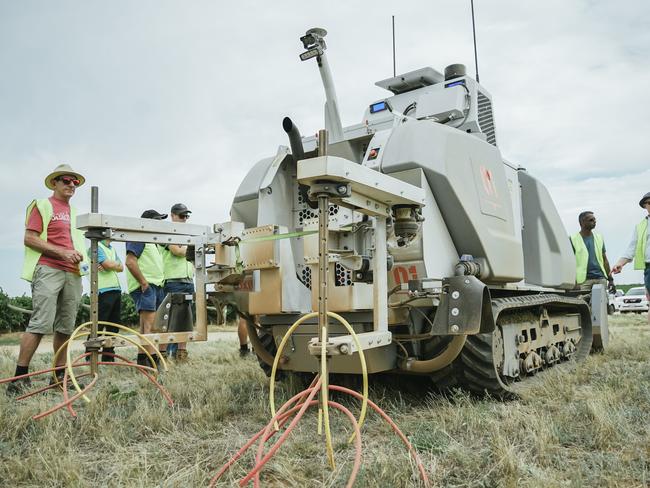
94 285
323 258
332 116
379 277
201 332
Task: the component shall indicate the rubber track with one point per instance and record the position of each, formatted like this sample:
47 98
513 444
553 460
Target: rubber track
266 338
475 369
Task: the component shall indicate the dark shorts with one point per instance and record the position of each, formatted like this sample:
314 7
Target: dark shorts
178 287
109 310
149 300
646 278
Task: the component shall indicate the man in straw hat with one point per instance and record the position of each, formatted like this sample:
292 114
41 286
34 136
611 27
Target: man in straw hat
638 251
55 259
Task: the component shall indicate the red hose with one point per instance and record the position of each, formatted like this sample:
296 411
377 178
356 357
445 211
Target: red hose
289 409
396 429
283 417
259 463
45 388
67 401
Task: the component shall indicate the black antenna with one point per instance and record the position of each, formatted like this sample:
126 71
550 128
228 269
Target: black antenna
474 32
394 72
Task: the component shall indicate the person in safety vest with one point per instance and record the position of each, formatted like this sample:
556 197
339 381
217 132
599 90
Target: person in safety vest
638 251
110 291
589 247
179 277
145 277
55 259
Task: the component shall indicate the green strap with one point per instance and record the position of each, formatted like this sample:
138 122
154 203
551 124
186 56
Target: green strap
239 264
276 237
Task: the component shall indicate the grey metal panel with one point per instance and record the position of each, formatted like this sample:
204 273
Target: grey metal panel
250 185
136 224
412 80
467 178
548 256
599 316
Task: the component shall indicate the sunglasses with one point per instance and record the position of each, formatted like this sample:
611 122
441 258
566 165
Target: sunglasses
185 216
68 181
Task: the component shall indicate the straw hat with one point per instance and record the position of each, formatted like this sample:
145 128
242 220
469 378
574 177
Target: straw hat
62 169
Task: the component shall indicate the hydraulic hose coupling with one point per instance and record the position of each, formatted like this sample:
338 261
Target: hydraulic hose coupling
467 266
407 219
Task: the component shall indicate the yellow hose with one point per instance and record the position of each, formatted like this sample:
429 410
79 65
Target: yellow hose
362 359
324 397
114 334
140 346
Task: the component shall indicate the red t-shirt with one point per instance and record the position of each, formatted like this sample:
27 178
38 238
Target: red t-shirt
58 233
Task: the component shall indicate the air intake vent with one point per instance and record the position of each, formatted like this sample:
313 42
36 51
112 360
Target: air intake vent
485 118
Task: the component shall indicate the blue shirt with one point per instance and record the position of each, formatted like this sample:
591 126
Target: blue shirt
101 257
135 248
593 268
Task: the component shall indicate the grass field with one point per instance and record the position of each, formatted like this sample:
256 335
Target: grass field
578 426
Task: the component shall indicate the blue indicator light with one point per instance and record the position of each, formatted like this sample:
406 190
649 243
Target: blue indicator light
455 83
378 107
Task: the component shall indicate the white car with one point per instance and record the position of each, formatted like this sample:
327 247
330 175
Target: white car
612 302
635 300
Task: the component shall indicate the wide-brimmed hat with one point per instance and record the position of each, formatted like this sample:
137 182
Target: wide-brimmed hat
60 170
644 199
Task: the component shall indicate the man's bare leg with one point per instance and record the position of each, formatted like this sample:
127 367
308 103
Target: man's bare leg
147 318
58 341
242 333
28 344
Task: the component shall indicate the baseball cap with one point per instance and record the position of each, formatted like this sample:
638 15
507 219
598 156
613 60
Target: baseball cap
153 214
180 209
644 198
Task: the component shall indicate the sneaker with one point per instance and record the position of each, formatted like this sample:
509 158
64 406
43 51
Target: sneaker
18 387
244 351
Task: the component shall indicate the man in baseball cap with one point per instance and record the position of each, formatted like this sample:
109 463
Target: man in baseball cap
181 210
145 277
179 278
638 250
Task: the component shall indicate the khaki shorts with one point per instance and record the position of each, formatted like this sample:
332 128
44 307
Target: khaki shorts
55 300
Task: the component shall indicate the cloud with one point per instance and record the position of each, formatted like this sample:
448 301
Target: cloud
161 101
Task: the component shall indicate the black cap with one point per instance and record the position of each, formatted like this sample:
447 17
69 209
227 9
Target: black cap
643 200
153 214
180 209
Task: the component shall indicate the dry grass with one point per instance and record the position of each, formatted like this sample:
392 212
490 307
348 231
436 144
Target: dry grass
587 427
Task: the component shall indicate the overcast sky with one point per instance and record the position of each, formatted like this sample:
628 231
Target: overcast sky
158 102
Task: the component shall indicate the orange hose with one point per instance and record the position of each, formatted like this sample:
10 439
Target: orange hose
283 416
72 399
396 429
294 405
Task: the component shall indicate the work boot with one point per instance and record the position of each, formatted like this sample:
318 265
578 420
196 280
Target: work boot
171 350
181 355
18 387
59 379
143 360
105 357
